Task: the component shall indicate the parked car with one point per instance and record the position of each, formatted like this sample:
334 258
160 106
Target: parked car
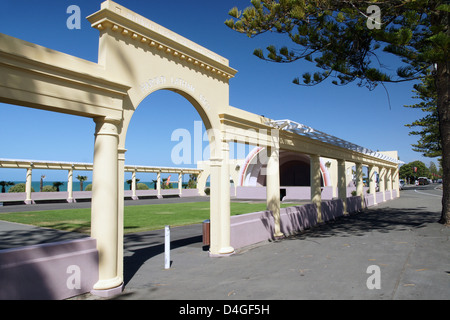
401 184
423 181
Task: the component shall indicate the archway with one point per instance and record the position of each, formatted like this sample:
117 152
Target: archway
294 169
167 123
136 58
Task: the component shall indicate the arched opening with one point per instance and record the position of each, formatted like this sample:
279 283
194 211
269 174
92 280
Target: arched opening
294 170
295 173
175 131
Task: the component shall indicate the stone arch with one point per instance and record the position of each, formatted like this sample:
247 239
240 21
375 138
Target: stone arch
294 169
208 120
148 57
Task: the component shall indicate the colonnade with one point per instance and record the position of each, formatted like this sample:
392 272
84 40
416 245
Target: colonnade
387 183
31 165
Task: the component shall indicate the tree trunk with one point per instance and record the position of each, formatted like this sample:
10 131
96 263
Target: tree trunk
442 83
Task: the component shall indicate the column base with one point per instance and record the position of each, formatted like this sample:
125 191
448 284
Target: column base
278 236
108 288
108 293
224 252
134 198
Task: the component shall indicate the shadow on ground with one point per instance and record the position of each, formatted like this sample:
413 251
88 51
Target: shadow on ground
145 246
378 219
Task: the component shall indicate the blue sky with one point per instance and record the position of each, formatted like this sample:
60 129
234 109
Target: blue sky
349 112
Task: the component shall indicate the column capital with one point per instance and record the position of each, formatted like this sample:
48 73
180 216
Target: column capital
215 162
107 126
225 144
121 154
107 120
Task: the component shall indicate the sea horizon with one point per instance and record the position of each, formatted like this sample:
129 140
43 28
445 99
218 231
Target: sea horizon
76 185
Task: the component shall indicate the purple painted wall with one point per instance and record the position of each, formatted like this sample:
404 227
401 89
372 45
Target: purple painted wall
251 228
86 195
57 270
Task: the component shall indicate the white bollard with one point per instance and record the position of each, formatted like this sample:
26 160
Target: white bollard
167 248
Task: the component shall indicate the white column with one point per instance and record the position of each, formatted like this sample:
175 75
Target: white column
389 182
395 181
273 187
105 190
372 184
158 184
342 184
120 208
360 183
28 199
214 186
133 185
180 183
70 186
316 191
382 182
201 182
225 223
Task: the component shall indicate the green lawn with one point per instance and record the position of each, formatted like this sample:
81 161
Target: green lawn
136 218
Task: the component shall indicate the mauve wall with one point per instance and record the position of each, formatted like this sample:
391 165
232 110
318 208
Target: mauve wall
13 198
290 193
251 228
57 270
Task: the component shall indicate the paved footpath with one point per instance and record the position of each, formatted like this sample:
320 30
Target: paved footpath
394 251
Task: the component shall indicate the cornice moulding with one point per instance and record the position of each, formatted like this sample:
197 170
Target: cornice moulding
147 32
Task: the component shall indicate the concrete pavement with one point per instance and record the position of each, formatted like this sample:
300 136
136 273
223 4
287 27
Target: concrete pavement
397 245
393 251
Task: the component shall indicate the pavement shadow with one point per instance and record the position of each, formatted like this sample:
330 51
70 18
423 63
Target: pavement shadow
145 246
380 219
32 236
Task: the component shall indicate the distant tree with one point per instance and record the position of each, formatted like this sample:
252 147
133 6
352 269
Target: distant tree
41 185
141 186
130 181
48 189
413 170
192 183
5 184
20 187
57 184
165 184
81 178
